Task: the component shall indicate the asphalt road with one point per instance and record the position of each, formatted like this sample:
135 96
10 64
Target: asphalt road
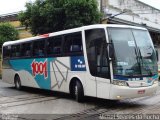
35 104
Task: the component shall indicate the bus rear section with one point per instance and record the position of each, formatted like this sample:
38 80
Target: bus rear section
54 62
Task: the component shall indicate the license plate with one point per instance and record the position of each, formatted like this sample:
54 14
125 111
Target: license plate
141 91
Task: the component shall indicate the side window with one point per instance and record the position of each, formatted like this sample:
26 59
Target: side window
15 51
26 49
54 46
39 48
97 53
6 52
73 44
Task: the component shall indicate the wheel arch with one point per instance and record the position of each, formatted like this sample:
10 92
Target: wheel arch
72 82
17 74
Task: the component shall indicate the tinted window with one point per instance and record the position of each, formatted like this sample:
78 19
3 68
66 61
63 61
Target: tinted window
6 51
15 51
73 44
26 50
97 52
39 48
54 45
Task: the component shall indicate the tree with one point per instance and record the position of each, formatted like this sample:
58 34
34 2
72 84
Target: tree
45 16
7 33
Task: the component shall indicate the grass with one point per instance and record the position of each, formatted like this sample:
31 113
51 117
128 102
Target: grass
24 34
15 23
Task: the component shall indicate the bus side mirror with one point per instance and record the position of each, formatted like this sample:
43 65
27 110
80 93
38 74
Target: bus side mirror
111 51
157 55
156 50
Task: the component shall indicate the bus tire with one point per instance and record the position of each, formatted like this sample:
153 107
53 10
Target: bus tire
78 91
17 82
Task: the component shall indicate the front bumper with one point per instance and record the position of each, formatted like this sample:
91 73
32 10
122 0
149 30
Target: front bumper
125 92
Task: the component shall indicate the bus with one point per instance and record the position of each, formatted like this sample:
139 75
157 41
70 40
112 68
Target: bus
105 61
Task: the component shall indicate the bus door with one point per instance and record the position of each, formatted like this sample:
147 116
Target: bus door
103 71
99 77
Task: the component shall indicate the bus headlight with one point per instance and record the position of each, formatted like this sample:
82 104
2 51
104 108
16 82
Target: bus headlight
120 83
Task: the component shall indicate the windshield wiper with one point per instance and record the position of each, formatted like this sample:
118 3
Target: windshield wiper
149 71
138 60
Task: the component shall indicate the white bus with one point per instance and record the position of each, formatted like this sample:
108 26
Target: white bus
104 61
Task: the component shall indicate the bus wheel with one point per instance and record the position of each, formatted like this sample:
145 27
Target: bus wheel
78 91
17 82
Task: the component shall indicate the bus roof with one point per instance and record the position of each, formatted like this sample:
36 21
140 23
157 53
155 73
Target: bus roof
71 31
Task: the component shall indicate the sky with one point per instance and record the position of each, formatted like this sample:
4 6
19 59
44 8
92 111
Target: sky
10 6
154 3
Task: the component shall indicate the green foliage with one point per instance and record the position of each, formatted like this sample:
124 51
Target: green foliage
7 33
45 16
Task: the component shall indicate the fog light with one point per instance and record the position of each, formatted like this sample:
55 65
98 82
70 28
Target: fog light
155 82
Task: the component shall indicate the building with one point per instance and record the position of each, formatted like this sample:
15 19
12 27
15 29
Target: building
132 12
12 18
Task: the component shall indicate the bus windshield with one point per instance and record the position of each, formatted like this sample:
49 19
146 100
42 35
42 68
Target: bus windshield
134 52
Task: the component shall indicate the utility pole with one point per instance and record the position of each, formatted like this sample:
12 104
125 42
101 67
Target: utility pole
101 4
